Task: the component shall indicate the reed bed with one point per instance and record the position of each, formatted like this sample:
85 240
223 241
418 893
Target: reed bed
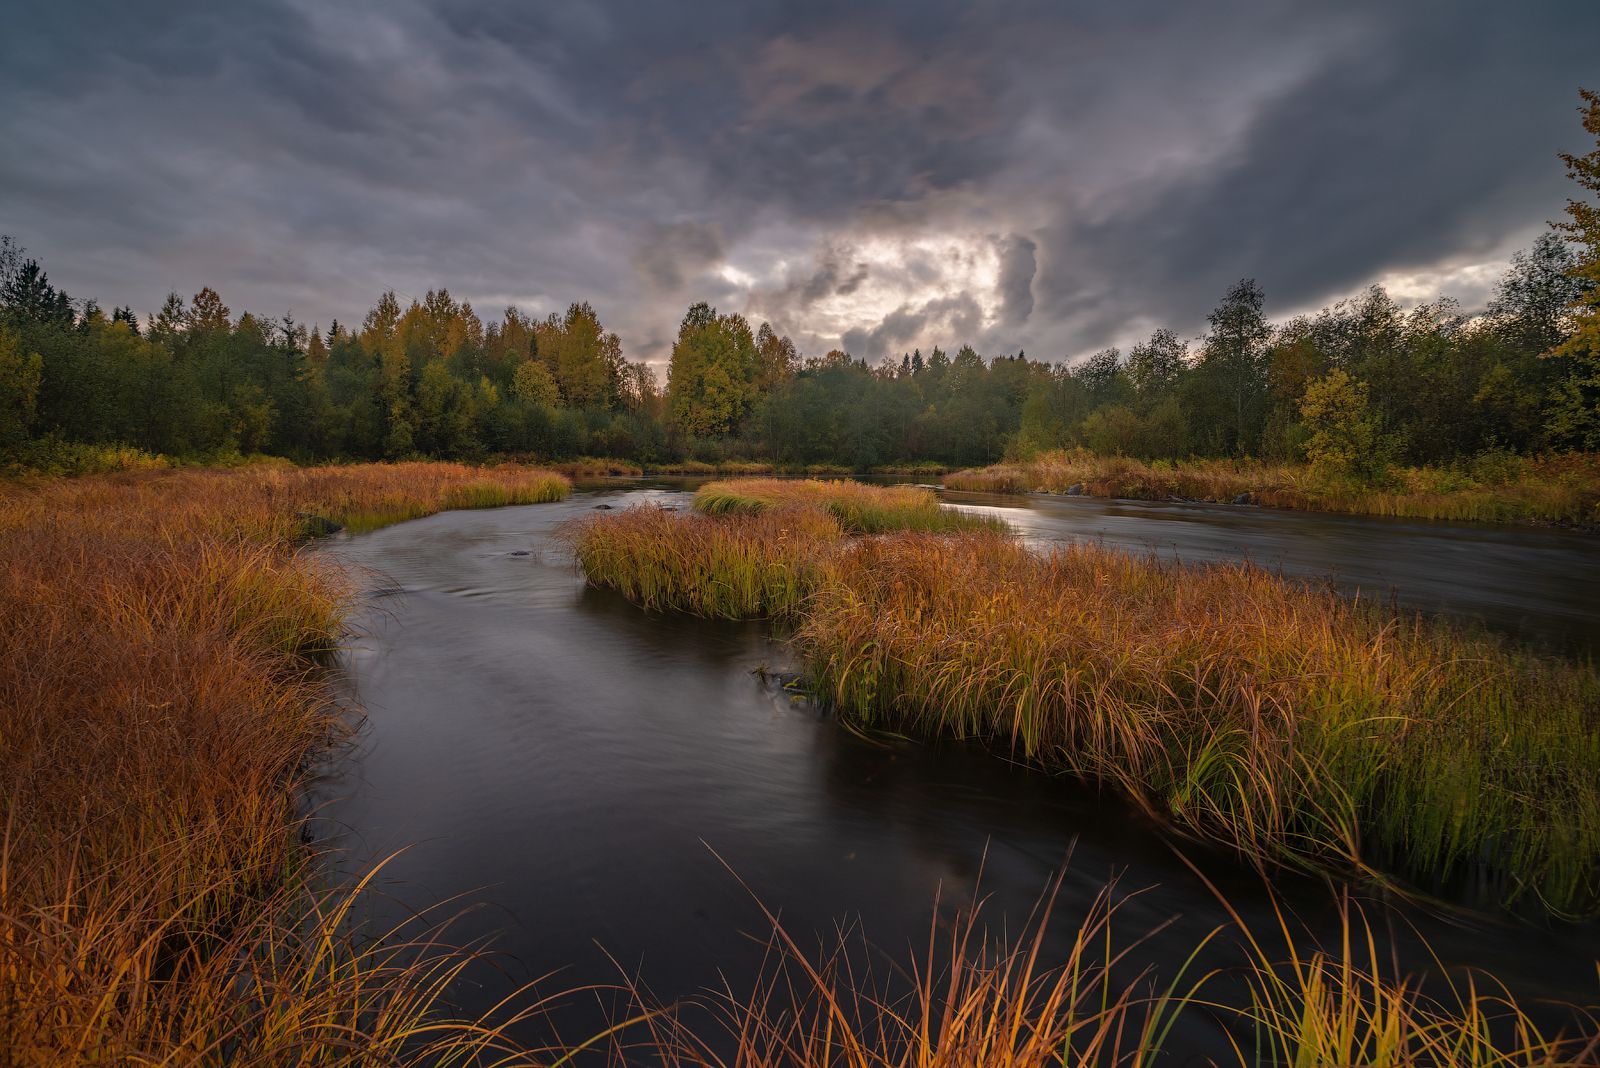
160 706
721 467
964 999
1286 721
1559 488
1041 1000
1309 1002
858 508
756 566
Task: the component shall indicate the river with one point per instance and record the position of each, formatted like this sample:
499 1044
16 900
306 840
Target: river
609 788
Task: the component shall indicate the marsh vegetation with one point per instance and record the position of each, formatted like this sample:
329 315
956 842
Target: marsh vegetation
162 702
1287 721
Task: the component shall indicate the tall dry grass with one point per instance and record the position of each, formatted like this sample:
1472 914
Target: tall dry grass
858 508
755 545
759 566
965 998
1346 1000
1288 722
1556 488
160 705
973 995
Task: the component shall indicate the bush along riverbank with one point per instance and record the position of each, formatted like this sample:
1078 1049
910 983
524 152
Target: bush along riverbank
1550 489
1286 721
161 707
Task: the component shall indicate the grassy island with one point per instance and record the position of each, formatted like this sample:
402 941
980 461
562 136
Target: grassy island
1285 720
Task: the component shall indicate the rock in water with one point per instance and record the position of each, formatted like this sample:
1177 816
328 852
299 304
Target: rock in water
602 508
1075 490
317 526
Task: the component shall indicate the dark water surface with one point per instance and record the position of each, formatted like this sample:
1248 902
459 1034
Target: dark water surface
1540 585
569 763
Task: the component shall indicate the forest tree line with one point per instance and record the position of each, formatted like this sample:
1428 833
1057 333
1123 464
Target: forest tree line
1357 387
1425 385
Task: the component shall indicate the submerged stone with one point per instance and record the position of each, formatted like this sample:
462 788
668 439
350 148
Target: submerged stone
317 526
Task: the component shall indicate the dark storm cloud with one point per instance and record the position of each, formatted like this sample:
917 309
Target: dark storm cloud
676 251
833 277
1017 267
1136 158
1435 139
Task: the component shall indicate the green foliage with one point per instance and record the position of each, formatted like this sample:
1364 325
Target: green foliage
1575 413
587 360
19 391
1231 374
1342 434
715 364
532 382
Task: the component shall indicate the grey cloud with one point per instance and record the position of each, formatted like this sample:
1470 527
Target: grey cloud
833 275
1437 140
1017 266
678 250
1139 157
853 283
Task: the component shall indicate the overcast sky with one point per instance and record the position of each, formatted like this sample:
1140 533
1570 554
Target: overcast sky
1048 176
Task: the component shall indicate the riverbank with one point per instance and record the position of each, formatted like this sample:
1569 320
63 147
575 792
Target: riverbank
1284 720
1561 489
49 458
161 704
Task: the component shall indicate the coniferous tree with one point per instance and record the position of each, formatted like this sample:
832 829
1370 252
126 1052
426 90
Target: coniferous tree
1575 412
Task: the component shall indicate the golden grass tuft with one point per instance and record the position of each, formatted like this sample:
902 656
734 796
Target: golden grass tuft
1033 999
756 567
859 508
597 467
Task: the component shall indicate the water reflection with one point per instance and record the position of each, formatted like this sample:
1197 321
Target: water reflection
1538 584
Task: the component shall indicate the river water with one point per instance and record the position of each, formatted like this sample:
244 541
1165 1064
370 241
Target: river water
610 789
